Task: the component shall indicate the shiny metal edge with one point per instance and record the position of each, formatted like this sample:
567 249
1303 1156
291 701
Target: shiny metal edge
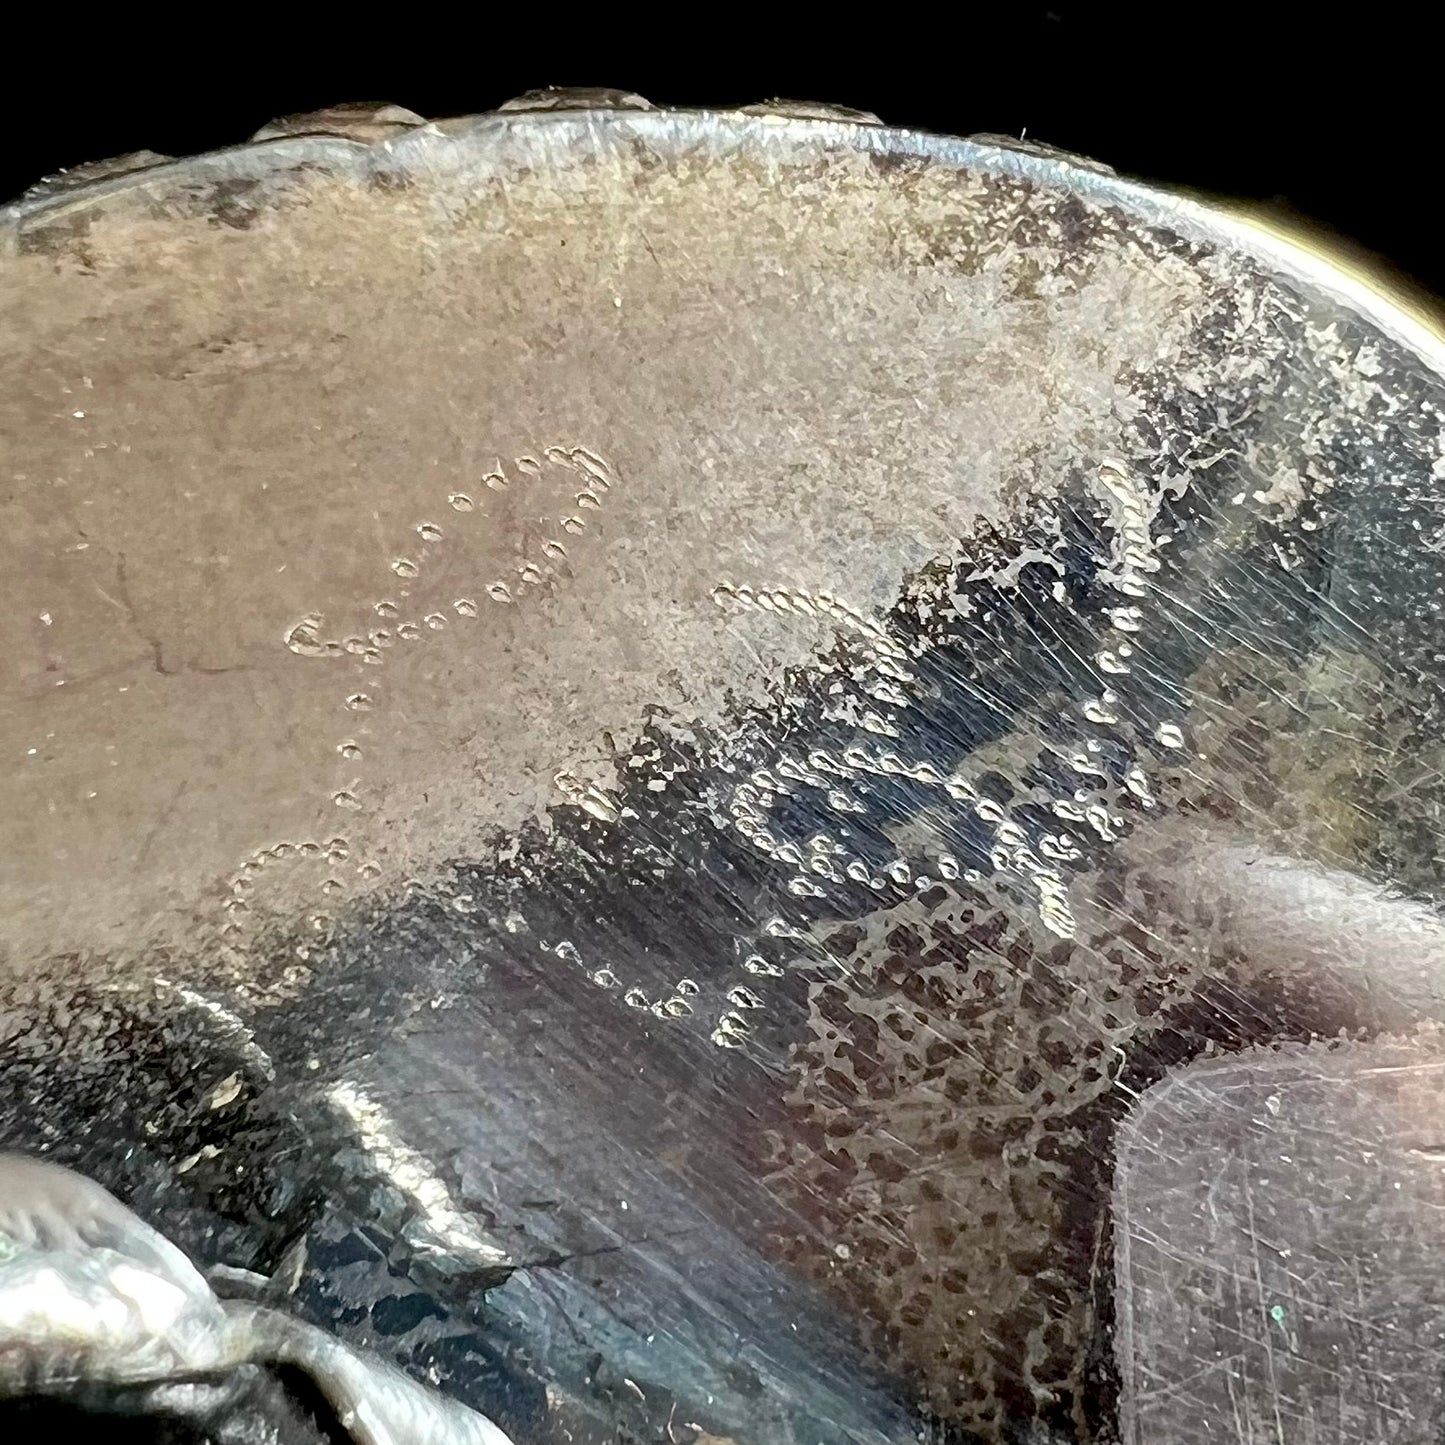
1355 281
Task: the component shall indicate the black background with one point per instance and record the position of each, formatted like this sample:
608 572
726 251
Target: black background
1334 117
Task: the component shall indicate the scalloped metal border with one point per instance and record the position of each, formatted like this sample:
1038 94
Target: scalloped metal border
1402 312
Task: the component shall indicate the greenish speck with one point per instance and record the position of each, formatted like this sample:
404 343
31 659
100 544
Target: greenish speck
1276 1313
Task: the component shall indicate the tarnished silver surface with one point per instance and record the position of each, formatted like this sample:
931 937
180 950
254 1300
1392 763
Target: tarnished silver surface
645 726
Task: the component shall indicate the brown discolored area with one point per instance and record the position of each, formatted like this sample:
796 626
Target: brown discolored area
234 389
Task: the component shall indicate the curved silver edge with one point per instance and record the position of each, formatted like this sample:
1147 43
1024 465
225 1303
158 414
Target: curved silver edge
723 130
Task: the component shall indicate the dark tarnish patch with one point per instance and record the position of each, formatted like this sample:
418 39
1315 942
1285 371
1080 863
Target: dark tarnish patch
63 237
235 203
